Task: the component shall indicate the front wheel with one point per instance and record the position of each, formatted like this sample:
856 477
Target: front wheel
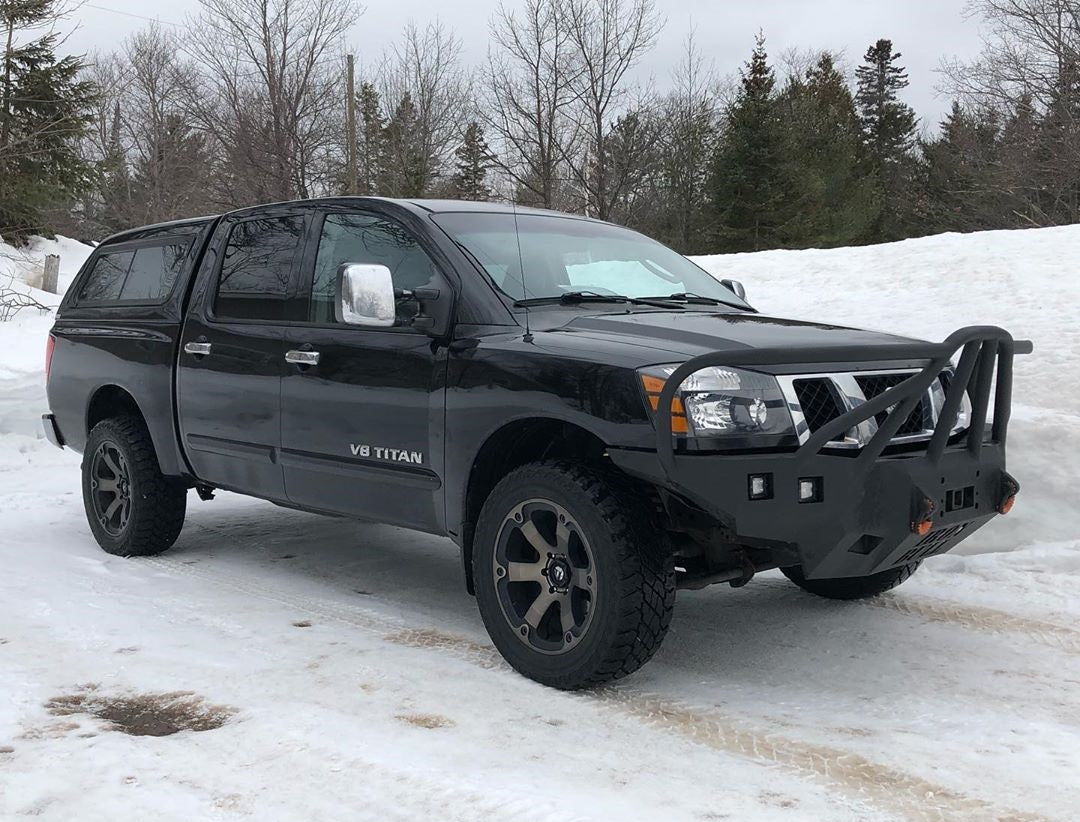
132 509
852 587
574 586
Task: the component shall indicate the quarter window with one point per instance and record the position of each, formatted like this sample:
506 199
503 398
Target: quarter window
257 268
143 275
104 282
366 238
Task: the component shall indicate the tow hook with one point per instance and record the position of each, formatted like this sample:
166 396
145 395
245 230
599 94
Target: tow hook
205 492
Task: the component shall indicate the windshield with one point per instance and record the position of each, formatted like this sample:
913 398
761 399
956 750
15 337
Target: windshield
562 255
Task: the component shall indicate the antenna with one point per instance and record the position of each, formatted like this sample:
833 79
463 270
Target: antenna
521 268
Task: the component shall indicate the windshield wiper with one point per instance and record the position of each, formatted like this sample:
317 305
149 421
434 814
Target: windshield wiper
695 299
576 297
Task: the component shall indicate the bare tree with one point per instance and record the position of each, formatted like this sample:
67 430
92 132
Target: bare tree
608 37
1029 74
170 160
529 76
426 94
690 113
267 92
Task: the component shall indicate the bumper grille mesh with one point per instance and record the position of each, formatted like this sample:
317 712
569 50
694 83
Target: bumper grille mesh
877 384
819 402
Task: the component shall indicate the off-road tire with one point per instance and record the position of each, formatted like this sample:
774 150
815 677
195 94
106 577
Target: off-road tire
157 503
635 574
852 587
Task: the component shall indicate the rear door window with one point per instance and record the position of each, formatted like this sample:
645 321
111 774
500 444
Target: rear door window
257 269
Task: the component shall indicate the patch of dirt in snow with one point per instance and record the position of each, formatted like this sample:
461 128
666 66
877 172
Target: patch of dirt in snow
429 721
150 714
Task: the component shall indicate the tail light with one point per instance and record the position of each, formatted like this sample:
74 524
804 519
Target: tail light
49 346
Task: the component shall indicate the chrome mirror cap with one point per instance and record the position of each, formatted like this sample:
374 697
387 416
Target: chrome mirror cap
365 295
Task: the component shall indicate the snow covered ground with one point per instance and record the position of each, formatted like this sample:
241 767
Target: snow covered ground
334 670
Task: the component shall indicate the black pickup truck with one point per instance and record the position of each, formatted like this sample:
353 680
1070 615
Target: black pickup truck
593 419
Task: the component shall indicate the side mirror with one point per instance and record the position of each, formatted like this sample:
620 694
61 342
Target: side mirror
365 295
736 286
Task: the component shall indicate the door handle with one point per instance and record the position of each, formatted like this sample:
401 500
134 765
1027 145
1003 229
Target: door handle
302 357
199 349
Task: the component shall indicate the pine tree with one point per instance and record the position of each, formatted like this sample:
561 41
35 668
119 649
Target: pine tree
45 109
889 134
115 185
830 177
370 138
960 167
748 178
406 167
474 158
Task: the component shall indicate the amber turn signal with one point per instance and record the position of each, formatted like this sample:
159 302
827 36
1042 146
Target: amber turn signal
653 386
1006 504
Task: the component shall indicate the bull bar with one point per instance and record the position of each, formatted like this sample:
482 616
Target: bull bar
873 498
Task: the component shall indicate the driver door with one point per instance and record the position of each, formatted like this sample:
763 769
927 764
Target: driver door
362 416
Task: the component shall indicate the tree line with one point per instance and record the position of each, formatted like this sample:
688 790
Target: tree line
246 104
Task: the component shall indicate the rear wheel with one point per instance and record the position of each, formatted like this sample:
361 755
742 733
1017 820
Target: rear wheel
852 587
132 509
573 584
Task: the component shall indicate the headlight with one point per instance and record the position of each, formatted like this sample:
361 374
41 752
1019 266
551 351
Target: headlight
723 402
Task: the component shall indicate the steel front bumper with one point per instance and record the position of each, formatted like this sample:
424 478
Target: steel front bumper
871 510
863 521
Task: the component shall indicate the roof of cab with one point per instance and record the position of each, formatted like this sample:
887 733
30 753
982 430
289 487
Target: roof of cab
427 206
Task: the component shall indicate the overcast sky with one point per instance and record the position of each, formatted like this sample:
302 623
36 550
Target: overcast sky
924 31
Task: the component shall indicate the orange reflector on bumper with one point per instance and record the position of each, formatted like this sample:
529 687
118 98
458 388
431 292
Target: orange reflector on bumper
924 517
1006 504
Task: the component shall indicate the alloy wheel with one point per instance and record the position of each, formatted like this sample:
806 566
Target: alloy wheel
110 488
545 576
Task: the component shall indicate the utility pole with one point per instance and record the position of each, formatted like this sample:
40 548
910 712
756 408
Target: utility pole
350 129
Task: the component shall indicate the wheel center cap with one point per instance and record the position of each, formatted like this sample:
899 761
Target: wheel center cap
559 573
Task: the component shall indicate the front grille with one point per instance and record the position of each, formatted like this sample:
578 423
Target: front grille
819 402
877 384
817 399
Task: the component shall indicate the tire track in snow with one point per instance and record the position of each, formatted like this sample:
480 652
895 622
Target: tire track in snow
887 788
974 617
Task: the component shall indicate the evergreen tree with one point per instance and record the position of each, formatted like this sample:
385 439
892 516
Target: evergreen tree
960 167
115 181
889 134
473 159
748 178
370 138
45 109
406 166
830 175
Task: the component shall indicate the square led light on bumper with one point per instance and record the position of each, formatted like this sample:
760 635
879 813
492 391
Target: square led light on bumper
811 489
759 486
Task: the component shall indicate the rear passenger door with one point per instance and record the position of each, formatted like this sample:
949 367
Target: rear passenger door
362 427
232 352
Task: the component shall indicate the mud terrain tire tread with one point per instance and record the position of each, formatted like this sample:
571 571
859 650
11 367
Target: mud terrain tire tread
644 582
852 587
159 503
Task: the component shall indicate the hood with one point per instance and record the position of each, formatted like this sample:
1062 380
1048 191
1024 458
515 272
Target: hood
685 334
